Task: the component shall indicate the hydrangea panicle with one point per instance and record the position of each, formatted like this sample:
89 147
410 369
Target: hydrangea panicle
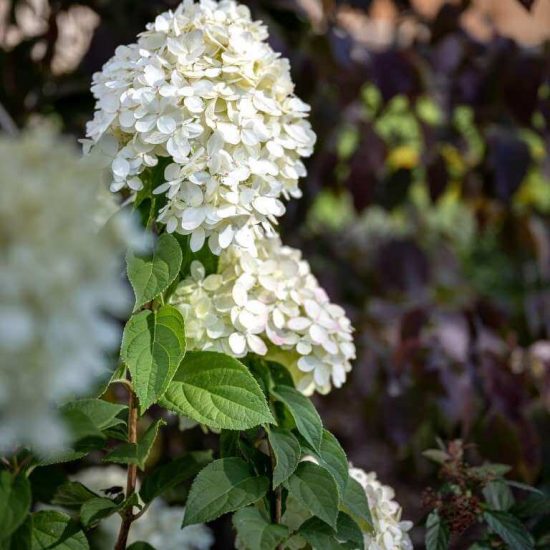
203 88
60 279
269 304
390 532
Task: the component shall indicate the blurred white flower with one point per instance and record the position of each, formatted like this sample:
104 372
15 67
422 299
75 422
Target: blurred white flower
160 525
269 304
203 89
100 478
390 532
60 279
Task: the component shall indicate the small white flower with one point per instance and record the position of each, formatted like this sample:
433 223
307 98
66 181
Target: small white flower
271 305
390 532
203 88
60 280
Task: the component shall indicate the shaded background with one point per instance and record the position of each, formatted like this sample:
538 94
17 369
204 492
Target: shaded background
425 211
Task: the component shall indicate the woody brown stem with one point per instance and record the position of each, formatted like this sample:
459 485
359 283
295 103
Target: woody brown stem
128 515
277 496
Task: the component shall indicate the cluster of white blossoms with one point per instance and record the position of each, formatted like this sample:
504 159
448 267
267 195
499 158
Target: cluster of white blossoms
390 532
203 107
202 98
269 304
60 278
160 525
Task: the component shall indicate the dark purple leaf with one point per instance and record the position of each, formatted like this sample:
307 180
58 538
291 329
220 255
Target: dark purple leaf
447 20
402 266
521 79
437 176
396 74
394 189
508 160
448 54
365 168
412 323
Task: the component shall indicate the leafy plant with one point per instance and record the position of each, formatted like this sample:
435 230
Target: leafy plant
266 429
477 505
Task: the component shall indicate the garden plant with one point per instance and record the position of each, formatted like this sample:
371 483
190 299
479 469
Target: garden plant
201 137
171 362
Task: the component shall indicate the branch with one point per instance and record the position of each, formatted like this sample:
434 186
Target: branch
277 496
128 516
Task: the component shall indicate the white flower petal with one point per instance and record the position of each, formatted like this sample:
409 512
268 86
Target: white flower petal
237 342
197 239
166 125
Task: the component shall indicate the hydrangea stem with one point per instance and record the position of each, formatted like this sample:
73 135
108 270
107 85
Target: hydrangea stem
128 514
277 495
278 504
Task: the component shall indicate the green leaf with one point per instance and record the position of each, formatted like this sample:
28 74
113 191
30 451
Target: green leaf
523 486
229 443
90 422
151 276
255 532
52 529
225 485
356 505
85 434
287 452
140 545
15 502
45 481
509 529
21 538
101 414
280 375
532 506
333 458
72 495
172 474
295 542
147 204
260 370
259 461
132 453
436 455
60 458
498 495
489 470
316 490
307 419
319 535
437 533
118 375
218 391
294 513
97 509
347 530
153 346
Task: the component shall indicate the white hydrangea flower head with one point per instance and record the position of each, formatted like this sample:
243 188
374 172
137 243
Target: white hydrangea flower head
160 525
390 532
60 279
203 98
270 304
